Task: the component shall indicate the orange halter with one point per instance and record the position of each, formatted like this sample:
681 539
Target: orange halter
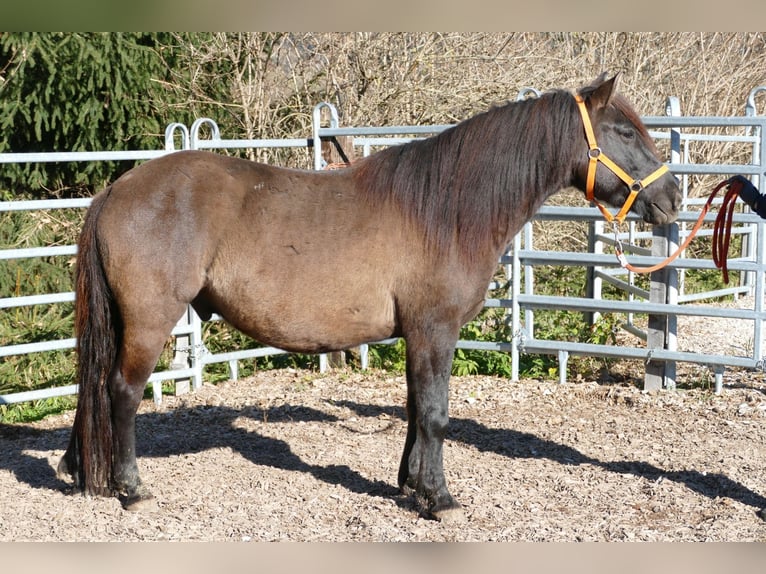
722 228
595 155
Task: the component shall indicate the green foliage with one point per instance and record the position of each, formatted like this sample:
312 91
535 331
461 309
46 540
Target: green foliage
490 325
388 357
76 92
35 410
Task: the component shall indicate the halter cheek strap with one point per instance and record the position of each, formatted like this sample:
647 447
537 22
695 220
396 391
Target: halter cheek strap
595 155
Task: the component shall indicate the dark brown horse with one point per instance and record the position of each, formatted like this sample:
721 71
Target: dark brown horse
403 243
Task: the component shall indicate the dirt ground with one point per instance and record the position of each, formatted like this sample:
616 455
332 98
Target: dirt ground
297 455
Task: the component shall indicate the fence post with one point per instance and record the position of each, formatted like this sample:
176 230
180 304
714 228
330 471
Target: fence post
760 236
517 337
662 329
657 372
182 355
593 282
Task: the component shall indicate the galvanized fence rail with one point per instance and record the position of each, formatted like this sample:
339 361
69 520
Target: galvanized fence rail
192 355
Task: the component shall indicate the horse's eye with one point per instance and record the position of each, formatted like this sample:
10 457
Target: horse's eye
626 133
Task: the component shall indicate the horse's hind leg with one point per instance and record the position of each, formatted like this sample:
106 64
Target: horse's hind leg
138 355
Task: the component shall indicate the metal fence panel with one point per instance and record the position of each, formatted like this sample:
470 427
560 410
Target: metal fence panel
521 301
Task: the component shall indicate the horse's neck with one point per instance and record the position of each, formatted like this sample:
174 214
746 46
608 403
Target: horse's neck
544 170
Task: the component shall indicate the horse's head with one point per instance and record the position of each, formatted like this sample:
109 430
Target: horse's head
631 174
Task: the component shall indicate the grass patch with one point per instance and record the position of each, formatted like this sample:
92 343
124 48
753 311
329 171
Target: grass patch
32 411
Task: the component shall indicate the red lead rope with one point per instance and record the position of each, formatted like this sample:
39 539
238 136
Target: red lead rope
721 230
722 227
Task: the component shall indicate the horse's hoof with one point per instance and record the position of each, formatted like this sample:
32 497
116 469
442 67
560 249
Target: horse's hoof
62 470
446 509
68 476
140 504
450 515
761 514
139 501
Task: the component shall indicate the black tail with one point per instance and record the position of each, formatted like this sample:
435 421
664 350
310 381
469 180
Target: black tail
89 456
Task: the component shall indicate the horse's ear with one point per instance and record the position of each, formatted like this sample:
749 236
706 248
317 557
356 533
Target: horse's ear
601 79
603 90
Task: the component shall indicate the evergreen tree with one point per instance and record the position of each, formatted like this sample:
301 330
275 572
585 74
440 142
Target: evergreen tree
77 92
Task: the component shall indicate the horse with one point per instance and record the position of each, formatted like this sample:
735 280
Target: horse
402 243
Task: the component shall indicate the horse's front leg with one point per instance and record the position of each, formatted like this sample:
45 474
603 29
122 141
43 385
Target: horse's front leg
429 362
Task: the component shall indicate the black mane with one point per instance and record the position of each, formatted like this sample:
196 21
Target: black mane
468 184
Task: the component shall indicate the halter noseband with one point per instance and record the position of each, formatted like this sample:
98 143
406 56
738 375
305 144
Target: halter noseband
595 155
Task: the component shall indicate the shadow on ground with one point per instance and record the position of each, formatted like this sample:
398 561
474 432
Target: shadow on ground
162 434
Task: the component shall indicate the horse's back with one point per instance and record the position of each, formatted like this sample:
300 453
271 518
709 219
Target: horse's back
290 257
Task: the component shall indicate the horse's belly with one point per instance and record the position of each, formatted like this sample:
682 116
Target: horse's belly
313 324
309 285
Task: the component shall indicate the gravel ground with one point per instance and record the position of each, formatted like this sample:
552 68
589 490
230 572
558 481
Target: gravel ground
296 455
